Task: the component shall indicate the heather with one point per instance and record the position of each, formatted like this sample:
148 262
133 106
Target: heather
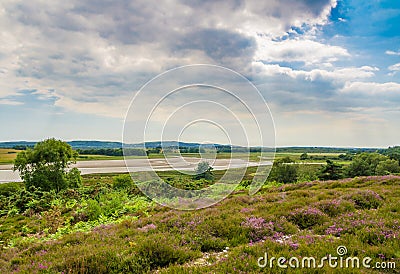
106 226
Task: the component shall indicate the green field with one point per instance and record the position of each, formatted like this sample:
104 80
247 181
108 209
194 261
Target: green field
7 156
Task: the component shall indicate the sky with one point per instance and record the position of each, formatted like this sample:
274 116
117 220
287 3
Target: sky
328 70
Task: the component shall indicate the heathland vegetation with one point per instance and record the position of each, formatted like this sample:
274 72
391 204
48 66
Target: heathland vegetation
103 224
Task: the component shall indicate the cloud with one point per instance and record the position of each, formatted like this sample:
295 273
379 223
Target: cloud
395 67
372 88
391 52
299 50
9 102
334 76
92 56
338 90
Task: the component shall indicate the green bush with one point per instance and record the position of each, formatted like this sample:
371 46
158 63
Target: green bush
334 207
162 250
93 209
365 199
122 181
308 217
213 244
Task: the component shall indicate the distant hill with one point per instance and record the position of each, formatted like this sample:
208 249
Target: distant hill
115 145
74 144
106 144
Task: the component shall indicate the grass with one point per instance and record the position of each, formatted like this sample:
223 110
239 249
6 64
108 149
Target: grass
7 156
106 227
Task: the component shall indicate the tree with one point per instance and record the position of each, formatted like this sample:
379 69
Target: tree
284 171
388 166
330 171
393 153
365 164
46 166
304 156
204 170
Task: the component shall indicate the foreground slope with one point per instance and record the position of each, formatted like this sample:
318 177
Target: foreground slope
297 220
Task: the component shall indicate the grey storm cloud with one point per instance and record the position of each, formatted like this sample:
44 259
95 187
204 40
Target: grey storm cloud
219 44
91 51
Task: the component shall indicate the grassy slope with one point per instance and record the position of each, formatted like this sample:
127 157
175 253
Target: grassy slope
362 214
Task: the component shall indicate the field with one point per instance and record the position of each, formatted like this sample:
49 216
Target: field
7 156
106 226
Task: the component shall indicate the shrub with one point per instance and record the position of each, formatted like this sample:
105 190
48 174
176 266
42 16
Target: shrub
305 218
365 199
257 228
334 207
162 250
93 210
122 181
213 244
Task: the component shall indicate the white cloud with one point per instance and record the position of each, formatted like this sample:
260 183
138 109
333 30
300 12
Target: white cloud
395 67
391 52
381 90
336 75
9 102
298 50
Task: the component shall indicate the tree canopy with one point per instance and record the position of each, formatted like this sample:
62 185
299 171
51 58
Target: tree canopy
204 170
46 166
285 170
368 164
330 171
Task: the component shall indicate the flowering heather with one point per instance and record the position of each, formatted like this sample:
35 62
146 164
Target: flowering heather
310 239
333 230
365 199
245 210
334 207
258 228
148 227
194 223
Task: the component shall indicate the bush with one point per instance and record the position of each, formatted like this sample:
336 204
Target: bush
163 250
334 207
213 244
305 218
365 199
257 228
93 209
9 189
122 181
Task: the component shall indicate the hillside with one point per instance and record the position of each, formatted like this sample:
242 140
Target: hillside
130 234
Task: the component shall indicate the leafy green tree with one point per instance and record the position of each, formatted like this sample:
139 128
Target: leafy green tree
204 170
388 166
330 171
285 171
393 153
304 156
46 166
365 164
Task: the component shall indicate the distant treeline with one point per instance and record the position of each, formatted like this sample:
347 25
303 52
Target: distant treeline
323 150
113 151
